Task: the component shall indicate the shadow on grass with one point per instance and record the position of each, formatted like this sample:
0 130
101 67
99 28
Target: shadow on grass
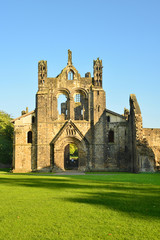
134 199
134 204
5 170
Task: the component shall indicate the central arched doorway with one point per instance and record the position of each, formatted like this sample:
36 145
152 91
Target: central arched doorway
71 157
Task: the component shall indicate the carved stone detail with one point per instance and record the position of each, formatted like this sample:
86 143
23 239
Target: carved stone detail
70 130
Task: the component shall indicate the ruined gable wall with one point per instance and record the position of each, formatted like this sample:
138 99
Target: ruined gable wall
142 155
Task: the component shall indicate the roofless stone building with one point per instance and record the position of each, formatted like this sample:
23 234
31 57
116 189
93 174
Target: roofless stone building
105 140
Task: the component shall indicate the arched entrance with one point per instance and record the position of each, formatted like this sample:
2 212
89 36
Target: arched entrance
71 157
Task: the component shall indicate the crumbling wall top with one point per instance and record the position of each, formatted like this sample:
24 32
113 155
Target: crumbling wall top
134 104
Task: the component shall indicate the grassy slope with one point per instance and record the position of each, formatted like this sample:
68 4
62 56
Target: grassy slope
117 207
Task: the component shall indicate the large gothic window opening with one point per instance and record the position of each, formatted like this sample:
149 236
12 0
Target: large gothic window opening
62 107
71 157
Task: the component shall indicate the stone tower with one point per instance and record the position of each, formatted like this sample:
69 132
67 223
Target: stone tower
97 65
42 73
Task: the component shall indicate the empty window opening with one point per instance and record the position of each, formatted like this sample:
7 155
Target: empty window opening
33 119
42 68
97 92
111 136
71 157
108 119
99 108
29 137
62 107
70 75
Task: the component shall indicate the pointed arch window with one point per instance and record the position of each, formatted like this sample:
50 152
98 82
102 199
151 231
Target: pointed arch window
70 75
29 137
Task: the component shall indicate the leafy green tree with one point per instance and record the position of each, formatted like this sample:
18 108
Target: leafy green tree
73 150
6 138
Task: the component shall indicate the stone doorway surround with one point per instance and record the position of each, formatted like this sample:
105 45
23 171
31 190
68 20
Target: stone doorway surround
67 135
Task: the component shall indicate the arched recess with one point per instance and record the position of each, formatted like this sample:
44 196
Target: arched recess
80 106
80 90
62 104
58 151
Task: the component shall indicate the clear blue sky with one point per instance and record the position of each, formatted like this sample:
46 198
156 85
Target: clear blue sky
125 34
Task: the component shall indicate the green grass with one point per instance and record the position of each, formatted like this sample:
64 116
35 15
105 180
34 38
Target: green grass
100 172
117 207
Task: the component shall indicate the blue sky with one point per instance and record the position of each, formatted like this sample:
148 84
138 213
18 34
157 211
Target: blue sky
125 34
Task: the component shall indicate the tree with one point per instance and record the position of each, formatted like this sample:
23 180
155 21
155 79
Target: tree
6 138
73 150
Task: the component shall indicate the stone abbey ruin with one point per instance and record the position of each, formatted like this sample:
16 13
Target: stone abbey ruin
105 140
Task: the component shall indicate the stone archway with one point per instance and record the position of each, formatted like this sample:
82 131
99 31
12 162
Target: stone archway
69 134
60 154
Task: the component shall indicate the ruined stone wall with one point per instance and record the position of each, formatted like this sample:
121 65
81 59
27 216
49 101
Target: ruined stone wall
152 136
142 155
105 140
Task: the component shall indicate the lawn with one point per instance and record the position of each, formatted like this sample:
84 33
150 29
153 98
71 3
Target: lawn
115 206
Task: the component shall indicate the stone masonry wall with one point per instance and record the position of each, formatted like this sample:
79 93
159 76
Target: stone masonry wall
152 136
117 151
24 158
